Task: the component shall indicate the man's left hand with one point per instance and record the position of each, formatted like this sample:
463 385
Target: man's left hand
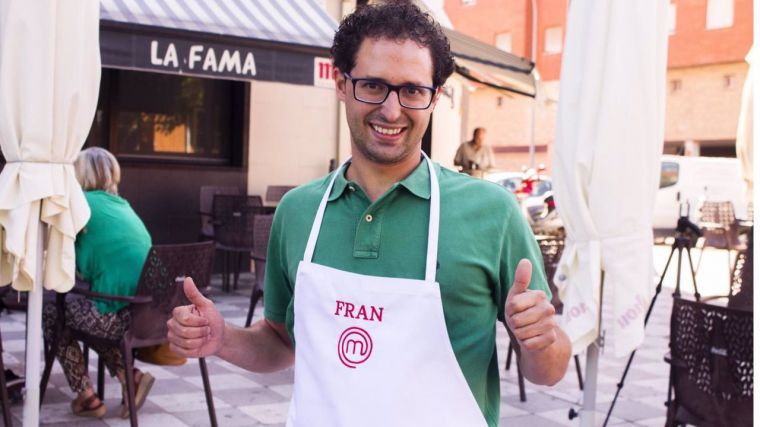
529 315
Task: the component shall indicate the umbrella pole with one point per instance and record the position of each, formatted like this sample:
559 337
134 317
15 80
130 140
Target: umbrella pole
31 414
588 411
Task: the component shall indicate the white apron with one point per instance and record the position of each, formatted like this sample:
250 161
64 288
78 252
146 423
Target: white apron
374 351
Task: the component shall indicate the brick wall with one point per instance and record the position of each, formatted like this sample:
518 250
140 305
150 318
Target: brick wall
704 107
692 44
487 18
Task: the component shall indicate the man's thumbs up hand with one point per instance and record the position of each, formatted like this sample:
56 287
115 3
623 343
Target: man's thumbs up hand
195 330
195 296
529 315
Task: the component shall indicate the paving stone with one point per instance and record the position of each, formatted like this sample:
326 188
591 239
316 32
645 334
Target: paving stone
243 398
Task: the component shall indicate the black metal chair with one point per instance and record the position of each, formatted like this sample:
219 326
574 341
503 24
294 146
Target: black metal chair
207 194
158 292
551 250
275 192
720 229
233 232
16 384
262 225
711 366
742 288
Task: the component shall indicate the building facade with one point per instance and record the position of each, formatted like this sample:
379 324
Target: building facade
708 42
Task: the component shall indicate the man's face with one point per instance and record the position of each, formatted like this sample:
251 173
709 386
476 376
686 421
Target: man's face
480 138
387 133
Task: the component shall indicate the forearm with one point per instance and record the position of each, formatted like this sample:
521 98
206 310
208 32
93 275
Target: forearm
547 366
259 348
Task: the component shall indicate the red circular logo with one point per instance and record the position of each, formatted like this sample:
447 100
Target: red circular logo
354 347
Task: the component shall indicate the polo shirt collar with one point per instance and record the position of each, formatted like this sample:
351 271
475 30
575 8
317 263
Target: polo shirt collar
418 182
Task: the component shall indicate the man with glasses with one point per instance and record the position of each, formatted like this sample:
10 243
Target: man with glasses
384 279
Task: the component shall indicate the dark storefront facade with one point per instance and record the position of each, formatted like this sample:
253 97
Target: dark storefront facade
174 102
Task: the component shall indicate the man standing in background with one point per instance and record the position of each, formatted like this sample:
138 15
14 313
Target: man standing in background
475 154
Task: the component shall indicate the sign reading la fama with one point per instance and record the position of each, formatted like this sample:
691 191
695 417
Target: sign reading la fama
203 58
207 56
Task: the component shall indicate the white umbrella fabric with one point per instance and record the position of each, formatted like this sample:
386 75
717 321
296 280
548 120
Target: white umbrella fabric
744 141
606 169
49 80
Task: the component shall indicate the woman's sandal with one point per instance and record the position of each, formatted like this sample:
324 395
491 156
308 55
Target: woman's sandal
83 407
143 383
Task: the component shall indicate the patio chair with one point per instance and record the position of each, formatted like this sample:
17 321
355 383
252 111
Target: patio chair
551 251
233 232
158 293
710 365
207 194
16 384
262 225
275 192
741 295
720 229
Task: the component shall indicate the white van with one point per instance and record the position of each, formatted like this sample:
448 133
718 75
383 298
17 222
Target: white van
694 180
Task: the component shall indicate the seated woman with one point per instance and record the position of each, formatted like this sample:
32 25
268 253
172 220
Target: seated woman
110 252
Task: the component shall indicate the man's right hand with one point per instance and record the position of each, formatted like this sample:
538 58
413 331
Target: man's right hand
195 330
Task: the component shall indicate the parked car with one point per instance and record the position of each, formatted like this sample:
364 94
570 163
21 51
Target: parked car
523 184
534 194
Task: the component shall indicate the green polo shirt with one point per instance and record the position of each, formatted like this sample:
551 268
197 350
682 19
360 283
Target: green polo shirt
481 239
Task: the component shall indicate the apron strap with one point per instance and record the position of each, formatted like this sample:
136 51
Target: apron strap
435 213
312 242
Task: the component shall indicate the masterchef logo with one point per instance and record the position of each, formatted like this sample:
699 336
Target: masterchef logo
355 344
354 347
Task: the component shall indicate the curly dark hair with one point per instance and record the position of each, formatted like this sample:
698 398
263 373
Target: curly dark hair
395 20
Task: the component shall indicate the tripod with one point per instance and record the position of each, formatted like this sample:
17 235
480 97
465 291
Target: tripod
686 235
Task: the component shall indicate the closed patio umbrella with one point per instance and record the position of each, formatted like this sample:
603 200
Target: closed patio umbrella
744 130
49 80
606 170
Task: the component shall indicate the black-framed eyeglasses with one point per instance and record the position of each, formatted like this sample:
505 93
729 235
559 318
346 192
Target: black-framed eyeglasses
372 91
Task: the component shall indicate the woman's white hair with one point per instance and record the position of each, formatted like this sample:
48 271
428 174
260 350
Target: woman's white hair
97 169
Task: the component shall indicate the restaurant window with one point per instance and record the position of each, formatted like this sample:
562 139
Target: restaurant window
167 117
553 40
720 14
672 11
504 42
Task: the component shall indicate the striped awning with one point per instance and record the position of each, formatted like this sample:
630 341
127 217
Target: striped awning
301 22
285 41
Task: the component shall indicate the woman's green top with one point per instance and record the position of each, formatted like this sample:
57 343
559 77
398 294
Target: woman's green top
112 248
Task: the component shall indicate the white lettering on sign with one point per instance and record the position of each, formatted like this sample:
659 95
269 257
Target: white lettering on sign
230 62
195 55
249 66
170 56
323 73
209 64
205 57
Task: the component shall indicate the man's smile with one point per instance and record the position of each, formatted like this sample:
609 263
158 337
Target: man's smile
386 130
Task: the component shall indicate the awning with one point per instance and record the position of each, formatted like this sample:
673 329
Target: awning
492 67
274 40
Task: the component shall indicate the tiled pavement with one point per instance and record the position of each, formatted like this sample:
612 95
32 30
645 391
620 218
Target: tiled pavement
246 399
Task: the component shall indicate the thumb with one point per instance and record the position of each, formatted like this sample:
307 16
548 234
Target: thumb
522 277
194 295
